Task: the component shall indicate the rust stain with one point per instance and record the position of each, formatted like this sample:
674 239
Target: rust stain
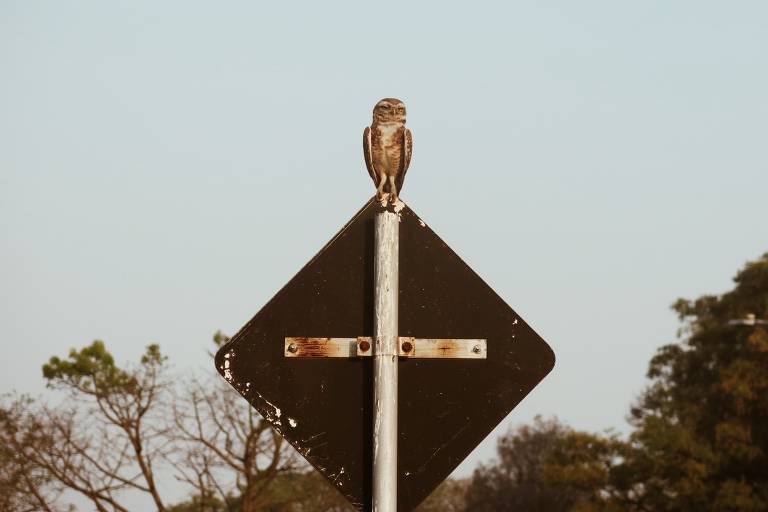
408 347
314 347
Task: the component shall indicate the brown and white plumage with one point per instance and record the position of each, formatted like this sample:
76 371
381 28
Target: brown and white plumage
387 147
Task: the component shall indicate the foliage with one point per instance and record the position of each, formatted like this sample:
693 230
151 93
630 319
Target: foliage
121 448
210 504
702 424
24 485
699 442
700 433
590 467
301 491
228 453
123 426
515 481
450 496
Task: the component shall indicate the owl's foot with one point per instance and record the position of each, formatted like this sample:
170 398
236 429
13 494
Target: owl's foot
383 198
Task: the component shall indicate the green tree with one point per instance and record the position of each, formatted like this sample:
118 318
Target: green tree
701 426
122 430
24 484
450 496
99 442
107 437
590 467
549 466
300 491
515 481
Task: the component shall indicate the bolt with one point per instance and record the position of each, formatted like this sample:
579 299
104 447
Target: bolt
292 348
364 346
476 349
407 346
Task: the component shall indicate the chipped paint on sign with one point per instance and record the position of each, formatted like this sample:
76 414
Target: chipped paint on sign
330 399
227 371
272 417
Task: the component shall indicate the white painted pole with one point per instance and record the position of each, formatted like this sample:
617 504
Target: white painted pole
385 362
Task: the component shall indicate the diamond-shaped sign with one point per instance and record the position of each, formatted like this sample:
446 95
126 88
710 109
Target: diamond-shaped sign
323 406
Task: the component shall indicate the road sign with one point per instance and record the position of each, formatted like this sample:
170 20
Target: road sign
323 405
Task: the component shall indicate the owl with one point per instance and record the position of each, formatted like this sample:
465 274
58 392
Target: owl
387 147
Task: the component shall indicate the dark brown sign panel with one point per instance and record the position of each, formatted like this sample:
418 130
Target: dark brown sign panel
323 406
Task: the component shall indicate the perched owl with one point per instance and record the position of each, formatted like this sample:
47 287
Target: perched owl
387 146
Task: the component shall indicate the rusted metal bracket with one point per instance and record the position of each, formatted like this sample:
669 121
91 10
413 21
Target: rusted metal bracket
420 348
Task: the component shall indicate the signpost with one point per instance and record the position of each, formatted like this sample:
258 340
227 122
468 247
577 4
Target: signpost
385 352
385 360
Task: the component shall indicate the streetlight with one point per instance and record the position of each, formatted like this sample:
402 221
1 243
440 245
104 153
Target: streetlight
750 319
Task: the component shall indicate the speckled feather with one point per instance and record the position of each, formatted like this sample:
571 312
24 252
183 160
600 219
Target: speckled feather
388 144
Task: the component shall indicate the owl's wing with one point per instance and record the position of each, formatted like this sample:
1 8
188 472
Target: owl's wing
407 152
367 154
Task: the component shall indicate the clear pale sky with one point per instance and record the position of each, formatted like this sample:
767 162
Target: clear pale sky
165 167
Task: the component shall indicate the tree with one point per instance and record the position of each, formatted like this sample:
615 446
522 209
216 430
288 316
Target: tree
230 454
701 437
226 450
103 440
450 496
590 467
515 481
235 460
120 430
24 485
305 491
550 466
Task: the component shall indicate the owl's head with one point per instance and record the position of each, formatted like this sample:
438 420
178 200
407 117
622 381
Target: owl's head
389 110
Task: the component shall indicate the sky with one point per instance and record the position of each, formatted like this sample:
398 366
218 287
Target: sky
165 167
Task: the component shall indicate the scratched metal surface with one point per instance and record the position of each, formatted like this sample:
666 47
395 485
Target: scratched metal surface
446 407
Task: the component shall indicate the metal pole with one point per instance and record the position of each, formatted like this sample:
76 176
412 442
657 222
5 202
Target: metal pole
385 362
